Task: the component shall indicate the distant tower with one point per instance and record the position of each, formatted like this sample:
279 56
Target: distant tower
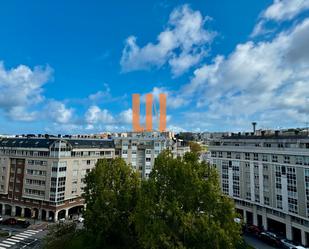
254 126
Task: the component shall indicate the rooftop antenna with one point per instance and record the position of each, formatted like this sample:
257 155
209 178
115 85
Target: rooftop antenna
254 126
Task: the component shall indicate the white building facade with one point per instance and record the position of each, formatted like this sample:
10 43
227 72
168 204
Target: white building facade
268 178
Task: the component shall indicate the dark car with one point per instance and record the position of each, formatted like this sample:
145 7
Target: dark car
23 223
270 238
9 221
254 230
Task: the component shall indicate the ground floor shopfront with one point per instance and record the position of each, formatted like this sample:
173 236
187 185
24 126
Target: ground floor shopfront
40 212
290 226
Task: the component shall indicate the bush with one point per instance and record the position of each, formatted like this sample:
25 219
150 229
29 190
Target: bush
4 234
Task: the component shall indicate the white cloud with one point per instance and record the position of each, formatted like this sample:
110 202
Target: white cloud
182 44
285 9
280 10
20 89
126 116
58 112
95 115
20 113
257 80
175 128
100 96
173 99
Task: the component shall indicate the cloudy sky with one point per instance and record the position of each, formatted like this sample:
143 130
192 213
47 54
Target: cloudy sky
72 67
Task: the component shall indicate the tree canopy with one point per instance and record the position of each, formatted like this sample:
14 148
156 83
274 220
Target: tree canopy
195 147
111 194
181 206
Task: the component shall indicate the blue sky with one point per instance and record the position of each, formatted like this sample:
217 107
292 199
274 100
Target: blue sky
71 67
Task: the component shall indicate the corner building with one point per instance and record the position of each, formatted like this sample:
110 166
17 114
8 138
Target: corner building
43 177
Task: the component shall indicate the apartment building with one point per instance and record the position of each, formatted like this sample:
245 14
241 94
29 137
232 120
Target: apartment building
141 149
268 178
43 177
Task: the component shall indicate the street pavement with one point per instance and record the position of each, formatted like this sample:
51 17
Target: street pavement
256 243
22 238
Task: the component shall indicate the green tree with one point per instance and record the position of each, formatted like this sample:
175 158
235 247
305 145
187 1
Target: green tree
111 194
195 147
181 206
63 236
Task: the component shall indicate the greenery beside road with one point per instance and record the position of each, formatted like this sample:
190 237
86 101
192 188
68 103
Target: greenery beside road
4 234
180 206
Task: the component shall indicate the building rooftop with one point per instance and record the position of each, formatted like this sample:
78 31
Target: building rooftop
36 142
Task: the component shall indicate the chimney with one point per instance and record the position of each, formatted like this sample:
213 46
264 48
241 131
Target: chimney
254 126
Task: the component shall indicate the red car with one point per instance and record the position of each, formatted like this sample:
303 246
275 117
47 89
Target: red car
255 230
10 221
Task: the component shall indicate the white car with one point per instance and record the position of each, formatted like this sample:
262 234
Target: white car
80 219
62 220
1 219
288 244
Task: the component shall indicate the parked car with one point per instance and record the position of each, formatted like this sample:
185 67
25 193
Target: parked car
254 230
9 221
80 219
287 244
1 219
270 238
62 220
23 223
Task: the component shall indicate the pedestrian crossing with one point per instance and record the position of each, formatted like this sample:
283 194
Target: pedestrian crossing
22 238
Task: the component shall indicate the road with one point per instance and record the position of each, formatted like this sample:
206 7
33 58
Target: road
22 238
256 243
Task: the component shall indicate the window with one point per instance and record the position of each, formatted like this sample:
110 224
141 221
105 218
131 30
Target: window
286 159
255 156
36 172
265 158
265 166
274 158
229 154
279 201
213 154
292 205
299 160
34 192
237 156
75 173
247 156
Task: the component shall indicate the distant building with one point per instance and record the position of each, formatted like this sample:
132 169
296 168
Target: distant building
141 149
267 175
